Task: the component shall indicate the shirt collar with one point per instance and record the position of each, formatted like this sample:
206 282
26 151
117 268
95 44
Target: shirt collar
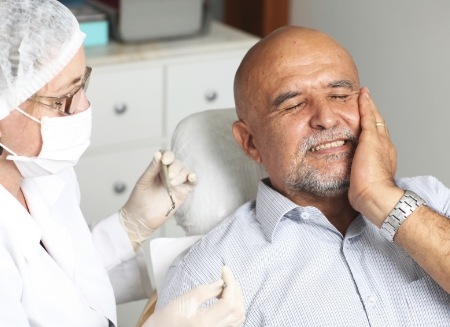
272 207
41 194
25 230
19 224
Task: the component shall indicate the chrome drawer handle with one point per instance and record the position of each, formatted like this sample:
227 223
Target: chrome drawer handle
211 95
120 108
119 187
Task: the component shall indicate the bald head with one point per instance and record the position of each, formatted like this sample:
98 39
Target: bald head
295 91
278 55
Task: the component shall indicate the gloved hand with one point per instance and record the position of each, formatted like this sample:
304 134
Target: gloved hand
149 202
185 310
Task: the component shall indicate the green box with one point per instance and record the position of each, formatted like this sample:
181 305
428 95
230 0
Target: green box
96 33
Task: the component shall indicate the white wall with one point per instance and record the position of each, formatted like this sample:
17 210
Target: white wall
402 49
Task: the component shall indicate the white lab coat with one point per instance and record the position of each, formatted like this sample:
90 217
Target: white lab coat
67 283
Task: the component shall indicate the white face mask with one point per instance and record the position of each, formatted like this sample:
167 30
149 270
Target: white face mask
64 141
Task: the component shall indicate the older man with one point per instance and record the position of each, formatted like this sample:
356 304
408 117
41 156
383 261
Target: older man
331 239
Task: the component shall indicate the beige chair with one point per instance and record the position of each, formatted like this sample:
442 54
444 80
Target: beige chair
227 178
162 252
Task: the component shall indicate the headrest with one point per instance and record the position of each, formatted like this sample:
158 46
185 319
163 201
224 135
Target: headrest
227 177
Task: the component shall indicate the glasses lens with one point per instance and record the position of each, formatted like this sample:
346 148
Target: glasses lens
70 106
72 102
87 77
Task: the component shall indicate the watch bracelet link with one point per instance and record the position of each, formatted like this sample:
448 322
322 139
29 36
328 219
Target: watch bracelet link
409 202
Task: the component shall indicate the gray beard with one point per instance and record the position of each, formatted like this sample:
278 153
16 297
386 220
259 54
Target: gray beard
303 178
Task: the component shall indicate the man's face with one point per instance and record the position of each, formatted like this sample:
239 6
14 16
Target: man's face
329 173
306 120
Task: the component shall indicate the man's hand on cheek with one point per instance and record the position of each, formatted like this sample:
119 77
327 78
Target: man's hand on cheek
372 189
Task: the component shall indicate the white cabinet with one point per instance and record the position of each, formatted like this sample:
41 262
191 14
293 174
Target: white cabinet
127 103
107 179
139 93
199 86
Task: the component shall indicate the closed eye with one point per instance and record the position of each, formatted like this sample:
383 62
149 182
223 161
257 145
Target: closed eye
300 105
341 97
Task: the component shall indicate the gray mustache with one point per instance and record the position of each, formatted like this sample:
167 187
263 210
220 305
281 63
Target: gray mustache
319 137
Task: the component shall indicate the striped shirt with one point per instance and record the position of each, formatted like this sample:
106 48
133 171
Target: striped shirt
296 269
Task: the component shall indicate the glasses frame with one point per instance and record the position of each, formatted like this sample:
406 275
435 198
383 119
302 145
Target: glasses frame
66 99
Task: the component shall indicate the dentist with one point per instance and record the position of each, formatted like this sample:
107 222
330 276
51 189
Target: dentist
54 269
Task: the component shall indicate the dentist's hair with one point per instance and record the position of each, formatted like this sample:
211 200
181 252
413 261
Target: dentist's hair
38 38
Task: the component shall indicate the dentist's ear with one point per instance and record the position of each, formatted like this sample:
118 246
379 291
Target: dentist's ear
244 137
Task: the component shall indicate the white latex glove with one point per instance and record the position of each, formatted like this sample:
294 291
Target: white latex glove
149 203
185 310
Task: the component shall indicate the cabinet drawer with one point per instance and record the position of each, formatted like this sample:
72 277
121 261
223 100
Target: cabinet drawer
106 180
199 86
127 103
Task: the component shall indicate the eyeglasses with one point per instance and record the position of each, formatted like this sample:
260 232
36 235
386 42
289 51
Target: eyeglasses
66 104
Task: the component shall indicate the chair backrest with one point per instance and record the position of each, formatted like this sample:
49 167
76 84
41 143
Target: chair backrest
227 177
160 253
163 252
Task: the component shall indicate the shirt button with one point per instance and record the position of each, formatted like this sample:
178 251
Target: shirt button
304 215
371 300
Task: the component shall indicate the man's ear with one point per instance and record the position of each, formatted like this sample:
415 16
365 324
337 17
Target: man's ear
244 137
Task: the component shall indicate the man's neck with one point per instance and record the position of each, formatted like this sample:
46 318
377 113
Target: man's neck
336 209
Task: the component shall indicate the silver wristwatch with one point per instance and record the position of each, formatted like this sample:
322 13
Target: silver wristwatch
409 202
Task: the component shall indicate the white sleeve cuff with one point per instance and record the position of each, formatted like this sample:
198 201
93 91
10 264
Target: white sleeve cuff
111 241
